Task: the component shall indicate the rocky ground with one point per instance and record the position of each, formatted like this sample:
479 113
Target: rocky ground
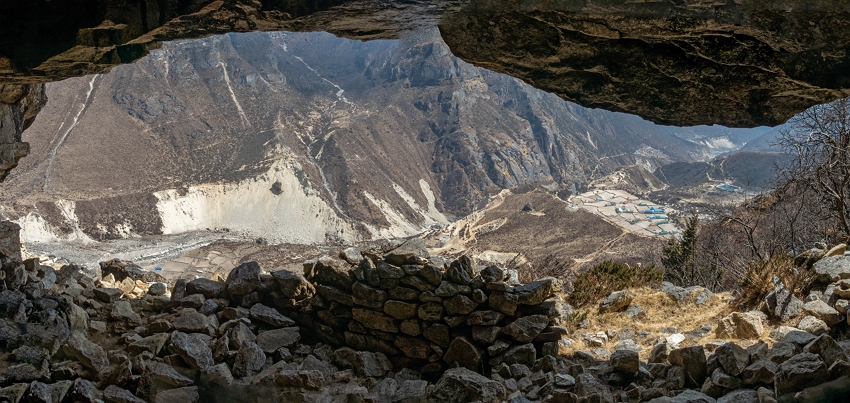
389 323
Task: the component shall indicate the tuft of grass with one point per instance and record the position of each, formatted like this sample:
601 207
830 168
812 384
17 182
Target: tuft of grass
757 282
607 277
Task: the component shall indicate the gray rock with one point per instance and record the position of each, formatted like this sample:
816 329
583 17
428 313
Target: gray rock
616 301
733 358
782 350
625 361
484 318
249 360
412 251
152 344
367 296
400 310
218 374
271 340
375 320
635 311
193 348
411 391
460 385
740 326
525 329
799 372
157 289
87 353
813 325
761 372
691 396
782 303
792 335
492 274
692 360
831 269
459 305
157 376
521 354
828 350
823 311
587 386
270 315
724 380
293 286
122 310
628 345
465 353
461 271
449 289
204 286
537 291
115 394
187 394
503 302
191 321
84 391
243 279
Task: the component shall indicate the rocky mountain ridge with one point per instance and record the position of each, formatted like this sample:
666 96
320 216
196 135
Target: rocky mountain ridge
384 139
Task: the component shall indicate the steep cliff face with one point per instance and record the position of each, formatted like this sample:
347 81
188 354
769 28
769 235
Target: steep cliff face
739 63
19 105
302 137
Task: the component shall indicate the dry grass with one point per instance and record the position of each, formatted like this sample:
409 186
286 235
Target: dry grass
661 311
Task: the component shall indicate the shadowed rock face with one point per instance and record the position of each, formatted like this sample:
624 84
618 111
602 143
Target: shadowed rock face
683 62
672 62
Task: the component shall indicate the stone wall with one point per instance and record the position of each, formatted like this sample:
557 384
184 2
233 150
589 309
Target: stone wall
421 311
426 312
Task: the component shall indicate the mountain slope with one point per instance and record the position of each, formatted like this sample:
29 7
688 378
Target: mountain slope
303 138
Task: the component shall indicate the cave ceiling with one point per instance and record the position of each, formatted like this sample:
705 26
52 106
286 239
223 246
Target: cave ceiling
737 63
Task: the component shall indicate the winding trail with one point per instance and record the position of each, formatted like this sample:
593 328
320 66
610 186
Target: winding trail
51 157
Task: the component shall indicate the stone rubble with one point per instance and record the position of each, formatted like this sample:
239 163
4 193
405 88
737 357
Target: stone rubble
389 324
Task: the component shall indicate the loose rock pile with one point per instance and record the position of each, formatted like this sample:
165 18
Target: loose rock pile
382 324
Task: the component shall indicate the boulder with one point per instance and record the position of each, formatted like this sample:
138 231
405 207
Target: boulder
192 348
152 344
293 286
799 372
459 305
740 326
243 279
375 320
761 372
465 353
492 274
412 251
692 360
270 315
526 328
813 325
187 394
625 361
206 287
690 396
249 360
122 310
587 386
537 291
460 385
461 271
157 289
616 302
400 309
157 376
828 350
271 340
831 269
367 296
733 358
823 311
484 318
87 353
782 303
191 321
522 354
115 394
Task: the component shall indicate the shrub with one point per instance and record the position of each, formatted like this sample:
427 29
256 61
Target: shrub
757 282
546 266
607 277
